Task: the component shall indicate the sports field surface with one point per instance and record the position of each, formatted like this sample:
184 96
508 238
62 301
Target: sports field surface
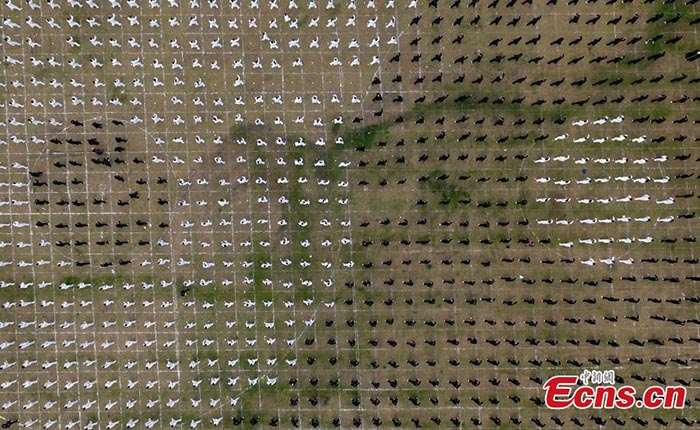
346 213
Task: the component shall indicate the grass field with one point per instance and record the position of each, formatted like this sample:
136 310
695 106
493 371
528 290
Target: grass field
262 214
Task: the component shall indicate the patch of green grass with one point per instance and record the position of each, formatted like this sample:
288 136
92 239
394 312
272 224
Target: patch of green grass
680 9
116 93
71 280
329 171
208 293
240 131
303 293
444 189
298 211
265 390
13 293
337 9
99 280
365 292
257 273
353 392
561 111
660 110
458 101
365 137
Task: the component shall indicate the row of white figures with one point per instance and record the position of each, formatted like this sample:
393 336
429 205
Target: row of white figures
618 138
305 243
600 121
130 364
195 4
199 140
215 100
192 423
327 282
189 223
610 261
132 323
178 120
214 25
602 180
609 240
90 326
204 304
590 221
584 160
126 304
353 61
282 161
130 404
72 344
606 200
233 362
